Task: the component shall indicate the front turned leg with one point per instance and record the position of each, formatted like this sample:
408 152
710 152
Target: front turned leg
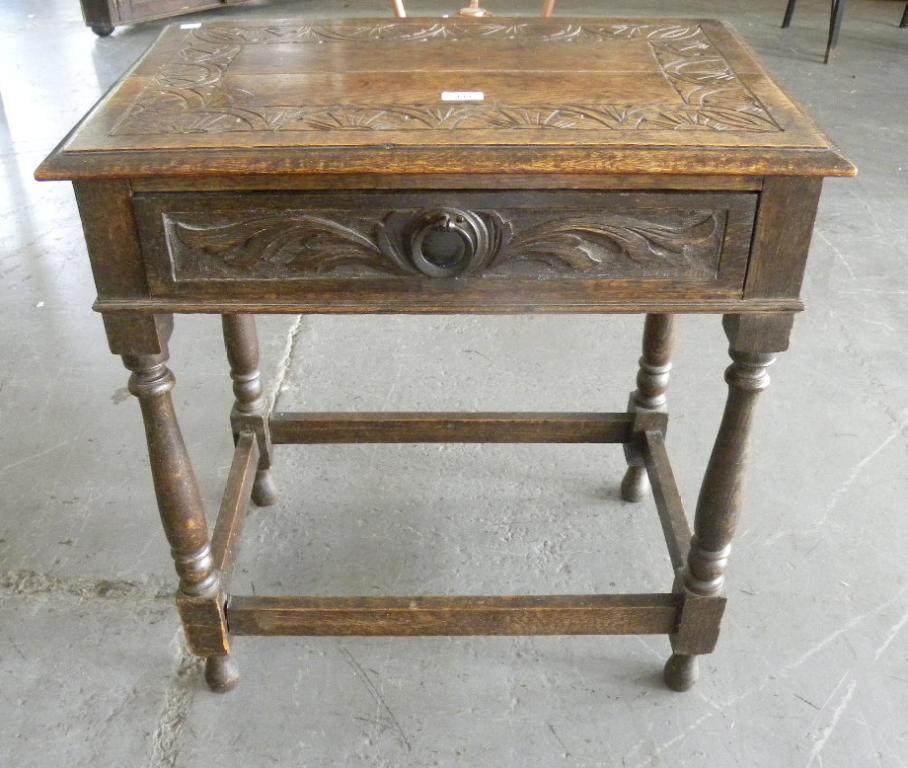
718 510
200 600
250 408
652 382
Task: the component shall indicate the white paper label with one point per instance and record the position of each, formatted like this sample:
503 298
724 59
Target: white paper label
462 96
193 25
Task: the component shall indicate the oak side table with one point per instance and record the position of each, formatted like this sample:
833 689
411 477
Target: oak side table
447 166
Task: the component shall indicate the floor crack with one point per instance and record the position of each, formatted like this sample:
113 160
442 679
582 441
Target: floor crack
286 362
165 745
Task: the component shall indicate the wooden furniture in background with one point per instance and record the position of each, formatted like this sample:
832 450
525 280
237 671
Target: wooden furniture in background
103 15
447 166
836 14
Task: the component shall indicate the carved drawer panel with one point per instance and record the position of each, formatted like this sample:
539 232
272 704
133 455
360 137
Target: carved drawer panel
296 242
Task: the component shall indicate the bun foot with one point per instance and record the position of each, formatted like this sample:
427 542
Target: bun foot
101 29
264 492
681 672
635 484
221 673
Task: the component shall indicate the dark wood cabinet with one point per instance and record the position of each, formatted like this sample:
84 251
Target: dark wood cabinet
103 15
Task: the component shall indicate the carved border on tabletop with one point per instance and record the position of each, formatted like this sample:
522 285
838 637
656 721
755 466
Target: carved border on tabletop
187 95
683 244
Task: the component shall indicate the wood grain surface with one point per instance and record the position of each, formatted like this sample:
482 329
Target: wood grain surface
508 615
372 88
439 427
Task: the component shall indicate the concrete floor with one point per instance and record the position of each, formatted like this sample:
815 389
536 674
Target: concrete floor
812 668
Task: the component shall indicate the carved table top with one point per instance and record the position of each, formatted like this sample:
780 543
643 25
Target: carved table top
367 96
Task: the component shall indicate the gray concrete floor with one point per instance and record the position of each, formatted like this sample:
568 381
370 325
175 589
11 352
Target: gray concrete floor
812 668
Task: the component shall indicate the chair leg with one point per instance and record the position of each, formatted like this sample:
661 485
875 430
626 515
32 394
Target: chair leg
789 12
835 25
904 21
652 381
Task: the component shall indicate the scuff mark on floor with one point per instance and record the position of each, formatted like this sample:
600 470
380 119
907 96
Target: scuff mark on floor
38 455
838 254
827 731
566 751
783 673
890 636
385 710
856 472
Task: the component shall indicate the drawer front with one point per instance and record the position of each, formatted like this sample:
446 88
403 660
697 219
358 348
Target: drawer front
294 243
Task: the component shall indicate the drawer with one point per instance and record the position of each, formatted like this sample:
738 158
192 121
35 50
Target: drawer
534 245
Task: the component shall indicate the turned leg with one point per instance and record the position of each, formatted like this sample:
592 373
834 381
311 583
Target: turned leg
182 512
250 408
652 382
718 510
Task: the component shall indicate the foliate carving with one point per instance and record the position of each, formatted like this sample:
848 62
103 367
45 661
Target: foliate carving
662 245
299 244
268 244
433 30
222 119
189 94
